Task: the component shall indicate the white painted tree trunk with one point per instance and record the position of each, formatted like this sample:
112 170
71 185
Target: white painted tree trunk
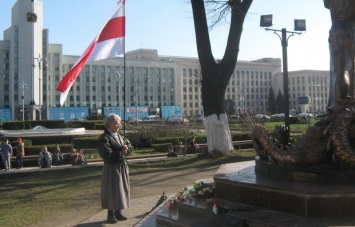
218 133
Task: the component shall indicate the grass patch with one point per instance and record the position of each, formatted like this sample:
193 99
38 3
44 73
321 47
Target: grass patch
196 161
44 194
301 128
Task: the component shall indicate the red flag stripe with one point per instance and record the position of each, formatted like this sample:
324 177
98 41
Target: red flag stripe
108 33
74 72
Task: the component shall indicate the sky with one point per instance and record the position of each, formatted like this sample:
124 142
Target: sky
167 26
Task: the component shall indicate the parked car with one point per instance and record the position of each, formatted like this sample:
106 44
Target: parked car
177 120
134 120
201 119
76 120
262 117
280 115
307 115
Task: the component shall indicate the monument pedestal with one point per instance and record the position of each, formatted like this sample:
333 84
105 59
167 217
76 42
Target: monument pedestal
287 189
262 200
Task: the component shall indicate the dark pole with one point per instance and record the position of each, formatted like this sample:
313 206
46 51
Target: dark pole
300 25
285 77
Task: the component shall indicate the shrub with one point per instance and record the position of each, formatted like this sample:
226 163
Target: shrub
85 142
34 150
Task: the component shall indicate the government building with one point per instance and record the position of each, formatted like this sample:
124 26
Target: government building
31 67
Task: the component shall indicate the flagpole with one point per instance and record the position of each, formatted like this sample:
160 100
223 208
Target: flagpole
124 73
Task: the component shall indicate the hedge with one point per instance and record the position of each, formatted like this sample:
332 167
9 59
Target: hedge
34 150
163 147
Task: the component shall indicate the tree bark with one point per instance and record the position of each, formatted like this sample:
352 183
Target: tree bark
216 75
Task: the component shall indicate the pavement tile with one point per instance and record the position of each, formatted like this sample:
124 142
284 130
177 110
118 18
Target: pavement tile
138 214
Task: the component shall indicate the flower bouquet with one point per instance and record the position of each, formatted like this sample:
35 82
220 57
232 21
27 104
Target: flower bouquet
203 190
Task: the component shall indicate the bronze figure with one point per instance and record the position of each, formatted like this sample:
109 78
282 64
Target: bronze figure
341 48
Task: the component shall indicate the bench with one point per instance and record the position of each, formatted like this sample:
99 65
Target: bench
242 142
31 160
239 144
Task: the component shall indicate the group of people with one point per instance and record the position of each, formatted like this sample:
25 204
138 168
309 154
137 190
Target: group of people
45 158
192 148
6 152
78 158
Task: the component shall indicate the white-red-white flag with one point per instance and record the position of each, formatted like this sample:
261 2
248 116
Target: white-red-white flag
109 43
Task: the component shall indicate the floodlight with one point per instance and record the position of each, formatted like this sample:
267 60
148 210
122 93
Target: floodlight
266 20
300 25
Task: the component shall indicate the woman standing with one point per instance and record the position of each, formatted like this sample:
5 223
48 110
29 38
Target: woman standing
115 185
20 153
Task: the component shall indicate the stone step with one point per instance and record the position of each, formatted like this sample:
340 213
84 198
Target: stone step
197 212
299 198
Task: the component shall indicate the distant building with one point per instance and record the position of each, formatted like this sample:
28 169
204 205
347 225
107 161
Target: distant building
311 83
151 80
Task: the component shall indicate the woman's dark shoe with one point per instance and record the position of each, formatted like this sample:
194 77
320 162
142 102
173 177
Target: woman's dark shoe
119 216
111 217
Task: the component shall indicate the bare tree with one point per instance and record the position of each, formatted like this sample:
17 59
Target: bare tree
216 75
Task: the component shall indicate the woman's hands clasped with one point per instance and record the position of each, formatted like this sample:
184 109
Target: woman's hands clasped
124 150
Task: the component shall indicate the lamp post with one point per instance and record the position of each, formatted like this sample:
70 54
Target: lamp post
136 90
39 61
23 86
118 76
300 25
238 100
311 97
318 99
315 91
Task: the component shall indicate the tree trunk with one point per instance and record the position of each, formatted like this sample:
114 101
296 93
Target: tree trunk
216 76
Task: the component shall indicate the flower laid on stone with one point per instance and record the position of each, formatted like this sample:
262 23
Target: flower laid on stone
203 190
198 190
219 209
172 202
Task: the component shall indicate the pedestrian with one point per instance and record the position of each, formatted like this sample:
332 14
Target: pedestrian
57 157
193 146
180 149
6 152
79 158
171 152
341 47
44 158
20 153
115 185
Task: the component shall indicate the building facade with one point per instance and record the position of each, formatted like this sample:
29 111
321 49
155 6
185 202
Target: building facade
32 67
306 83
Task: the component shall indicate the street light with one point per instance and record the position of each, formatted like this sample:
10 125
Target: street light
118 76
318 99
39 61
23 86
136 90
315 95
241 99
300 25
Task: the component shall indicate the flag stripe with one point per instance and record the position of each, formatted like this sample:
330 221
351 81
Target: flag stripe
107 49
73 73
108 44
113 29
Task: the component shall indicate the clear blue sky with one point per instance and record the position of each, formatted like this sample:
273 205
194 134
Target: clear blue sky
167 25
